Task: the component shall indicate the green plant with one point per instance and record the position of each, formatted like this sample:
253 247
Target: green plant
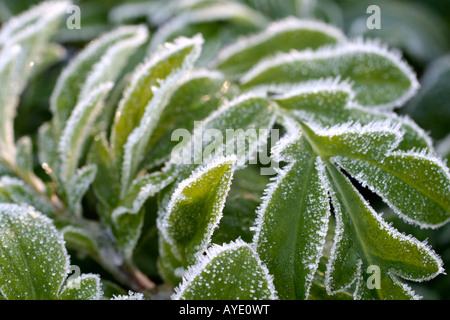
115 183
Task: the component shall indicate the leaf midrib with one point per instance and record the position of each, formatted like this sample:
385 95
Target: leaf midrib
332 171
400 177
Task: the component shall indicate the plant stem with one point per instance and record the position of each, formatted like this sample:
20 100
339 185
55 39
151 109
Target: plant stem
138 280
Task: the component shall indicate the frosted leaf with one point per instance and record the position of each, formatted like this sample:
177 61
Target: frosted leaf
415 185
293 220
414 137
329 102
84 287
229 272
79 238
48 155
134 126
123 13
405 180
325 102
30 31
126 219
196 96
113 60
79 185
8 102
363 239
280 36
100 62
24 155
38 20
240 127
371 141
77 130
16 191
23 40
34 262
123 215
33 259
380 78
131 296
218 11
195 209
296 90
106 185
127 229
146 78
140 190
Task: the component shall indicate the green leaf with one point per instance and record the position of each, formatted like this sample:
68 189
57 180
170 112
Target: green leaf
24 156
218 21
23 40
363 239
240 127
200 93
137 119
77 130
124 216
293 220
379 77
239 213
415 185
371 141
127 229
51 55
79 185
17 191
404 180
7 103
330 102
319 292
251 114
131 296
79 238
106 184
84 287
229 272
144 83
48 154
131 11
98 63
140 190
33 259
195 209
33 26
281 36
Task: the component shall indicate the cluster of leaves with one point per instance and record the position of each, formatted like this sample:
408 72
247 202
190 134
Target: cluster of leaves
109 186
